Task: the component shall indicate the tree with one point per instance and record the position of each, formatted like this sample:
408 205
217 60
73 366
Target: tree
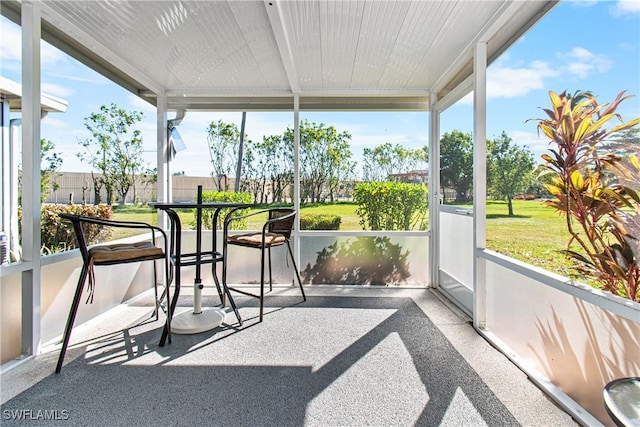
148 177
630 136
253 175
49 166
114 149
626 141
276 152
126 162
456 163
340 168
509 169
380 162
223 140
325 159
384 160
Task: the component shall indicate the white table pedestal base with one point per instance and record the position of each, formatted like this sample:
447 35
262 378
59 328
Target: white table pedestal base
189 323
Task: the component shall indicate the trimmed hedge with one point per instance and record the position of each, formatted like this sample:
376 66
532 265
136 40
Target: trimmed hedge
223 196
57 234
319 221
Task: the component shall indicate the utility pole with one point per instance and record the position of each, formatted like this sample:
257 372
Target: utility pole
240 148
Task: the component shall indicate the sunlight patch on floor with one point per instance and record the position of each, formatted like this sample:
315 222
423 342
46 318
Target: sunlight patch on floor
396 386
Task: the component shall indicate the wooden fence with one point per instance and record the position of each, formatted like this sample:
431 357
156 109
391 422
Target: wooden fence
77 187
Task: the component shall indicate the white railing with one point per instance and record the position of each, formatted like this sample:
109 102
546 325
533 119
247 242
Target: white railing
570 338
356 258
576 336
60 273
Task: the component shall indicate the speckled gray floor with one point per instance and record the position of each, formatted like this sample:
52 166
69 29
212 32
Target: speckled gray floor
333 360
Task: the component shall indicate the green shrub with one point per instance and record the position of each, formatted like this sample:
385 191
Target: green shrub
57 234
391 205
223 196
319 221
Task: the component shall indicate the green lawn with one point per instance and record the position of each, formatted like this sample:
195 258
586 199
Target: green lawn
535 234
346 211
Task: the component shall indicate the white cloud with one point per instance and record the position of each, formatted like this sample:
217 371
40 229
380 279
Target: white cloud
57 90
49 55
619 8
11 47
582 62
579 69
511 82
535 142
53 122
625 7
467 100
140 104
506 82
580 53
584 3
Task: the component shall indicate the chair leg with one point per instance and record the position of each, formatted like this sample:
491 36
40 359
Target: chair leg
224 272
261 282
72 316
156 310
172 302
295 267
232 303
168 277
270 275
225 289
214 273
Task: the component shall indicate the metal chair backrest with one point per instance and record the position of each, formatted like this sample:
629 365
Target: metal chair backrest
285 220
76 221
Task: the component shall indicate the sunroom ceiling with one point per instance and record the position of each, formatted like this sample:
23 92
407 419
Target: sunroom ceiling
250 55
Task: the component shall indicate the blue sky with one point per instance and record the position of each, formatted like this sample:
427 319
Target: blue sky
587 45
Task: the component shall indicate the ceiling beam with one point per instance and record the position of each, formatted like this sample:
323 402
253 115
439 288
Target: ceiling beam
74 42
461 69
274 11
202 92
466 54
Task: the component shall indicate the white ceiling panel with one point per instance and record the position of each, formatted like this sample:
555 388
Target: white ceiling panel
350 54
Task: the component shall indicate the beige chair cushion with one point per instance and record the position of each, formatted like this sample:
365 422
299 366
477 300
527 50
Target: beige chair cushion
255 239
124 252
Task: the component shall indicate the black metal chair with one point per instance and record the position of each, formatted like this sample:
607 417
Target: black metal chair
276 231
111 254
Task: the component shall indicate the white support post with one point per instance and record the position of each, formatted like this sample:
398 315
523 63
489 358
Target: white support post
5 156
163 185
296 175
479 184
434 192
14 235
31 239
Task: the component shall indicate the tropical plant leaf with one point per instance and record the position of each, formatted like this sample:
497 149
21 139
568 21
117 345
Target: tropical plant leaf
578 257
556 101
624 126
577 180
595 187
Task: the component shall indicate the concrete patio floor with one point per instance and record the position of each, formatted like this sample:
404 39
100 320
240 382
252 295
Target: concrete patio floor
331 366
